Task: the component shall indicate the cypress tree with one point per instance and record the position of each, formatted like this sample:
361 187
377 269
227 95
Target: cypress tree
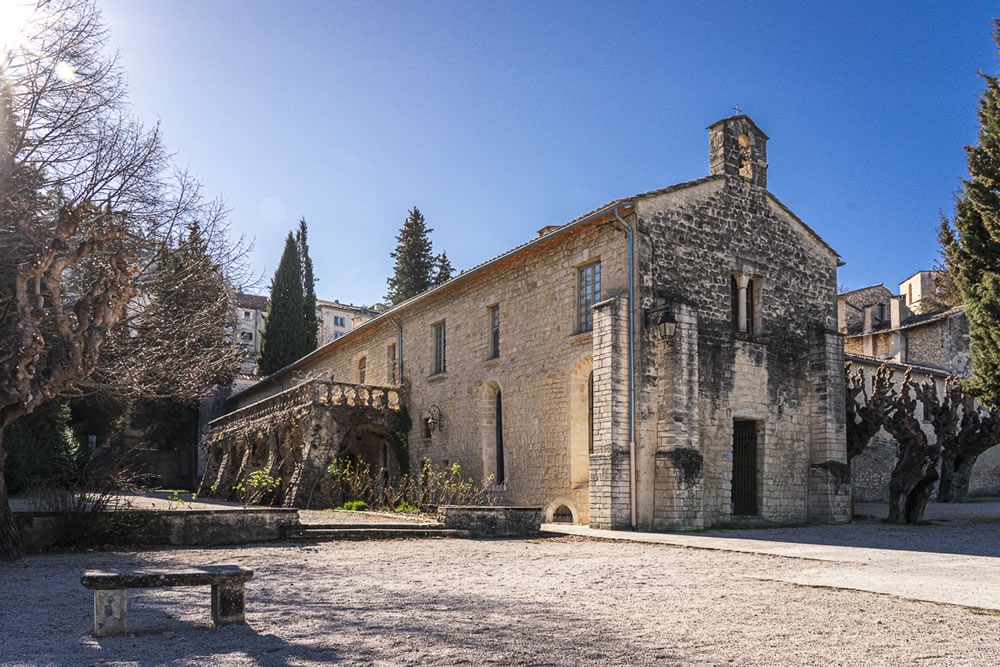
283 339
414 270
972 248
444 269
308 288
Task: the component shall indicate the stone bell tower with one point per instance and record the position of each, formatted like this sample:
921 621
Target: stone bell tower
737 147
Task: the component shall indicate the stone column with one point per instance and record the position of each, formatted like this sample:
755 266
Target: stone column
679 464
829 472
742 281
609 464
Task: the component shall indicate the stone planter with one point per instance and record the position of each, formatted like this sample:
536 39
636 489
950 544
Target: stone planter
488 521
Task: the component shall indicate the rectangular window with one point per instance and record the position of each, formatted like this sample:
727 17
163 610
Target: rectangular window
391 362
439 349
246 314
362 367
588 292
494 332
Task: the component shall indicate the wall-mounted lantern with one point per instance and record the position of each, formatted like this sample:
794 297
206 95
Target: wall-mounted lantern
664 321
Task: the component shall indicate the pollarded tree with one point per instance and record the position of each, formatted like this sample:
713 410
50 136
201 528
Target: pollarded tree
283 339
88 202
308 287
972 248
916 471
415 262
865 411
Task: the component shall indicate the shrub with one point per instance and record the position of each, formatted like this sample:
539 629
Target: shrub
360 481
406 508
255 486
356 505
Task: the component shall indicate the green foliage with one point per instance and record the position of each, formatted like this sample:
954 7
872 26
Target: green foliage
972 246
444 270
308 287
167 423
415 262
356 505
283 339
406 508
40 447
255 486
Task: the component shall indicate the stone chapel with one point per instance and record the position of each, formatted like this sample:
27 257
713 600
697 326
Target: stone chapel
670 360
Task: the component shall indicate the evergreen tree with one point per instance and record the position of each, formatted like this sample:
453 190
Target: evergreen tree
283 339
972 248
444 269
308 288
414 268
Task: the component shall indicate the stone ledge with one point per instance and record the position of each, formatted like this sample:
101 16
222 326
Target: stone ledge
492 521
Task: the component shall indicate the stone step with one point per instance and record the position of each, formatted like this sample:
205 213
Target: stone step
381 533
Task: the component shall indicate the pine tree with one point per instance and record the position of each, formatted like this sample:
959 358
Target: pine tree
414 268
308 288
444 269
283 339
972 248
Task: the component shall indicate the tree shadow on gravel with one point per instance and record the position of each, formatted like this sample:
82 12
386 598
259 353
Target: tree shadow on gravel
970 529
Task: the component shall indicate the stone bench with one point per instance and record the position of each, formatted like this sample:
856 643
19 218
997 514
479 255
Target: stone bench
111 603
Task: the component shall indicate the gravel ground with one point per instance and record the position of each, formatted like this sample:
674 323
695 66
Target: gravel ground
544 601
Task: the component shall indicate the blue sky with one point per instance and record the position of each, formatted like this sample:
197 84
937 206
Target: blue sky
497 119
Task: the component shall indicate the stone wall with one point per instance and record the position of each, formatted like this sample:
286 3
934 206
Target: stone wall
541 354
492 521
701 236
40 530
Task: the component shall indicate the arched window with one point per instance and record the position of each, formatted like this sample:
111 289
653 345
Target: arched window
362 366
499 438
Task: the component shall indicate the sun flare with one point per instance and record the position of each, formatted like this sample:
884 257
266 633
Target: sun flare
14 15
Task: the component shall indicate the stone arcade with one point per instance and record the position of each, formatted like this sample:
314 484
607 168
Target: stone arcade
669 360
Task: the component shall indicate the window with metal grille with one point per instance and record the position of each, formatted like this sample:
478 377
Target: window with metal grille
439 349
588 292
362 367
494 332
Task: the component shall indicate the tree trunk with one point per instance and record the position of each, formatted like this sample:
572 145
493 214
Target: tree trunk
911 485
10 538
960 479
949 461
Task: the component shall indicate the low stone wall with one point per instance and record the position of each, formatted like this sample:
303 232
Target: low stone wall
40 530
487 521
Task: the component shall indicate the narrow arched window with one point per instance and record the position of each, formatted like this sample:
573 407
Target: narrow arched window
362 367
499 438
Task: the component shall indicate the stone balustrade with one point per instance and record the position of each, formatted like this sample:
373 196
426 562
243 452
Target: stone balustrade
323 392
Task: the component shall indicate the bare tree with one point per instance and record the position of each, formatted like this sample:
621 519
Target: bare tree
916 471
865 412
978 430
89 210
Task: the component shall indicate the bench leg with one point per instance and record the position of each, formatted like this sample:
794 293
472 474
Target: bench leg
228 604
109 612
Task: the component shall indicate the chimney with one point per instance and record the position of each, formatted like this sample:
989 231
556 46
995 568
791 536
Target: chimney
548 228
869 318
898 311
737 147
842 315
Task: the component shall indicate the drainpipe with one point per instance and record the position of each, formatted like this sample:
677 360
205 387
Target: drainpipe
399 349
631 371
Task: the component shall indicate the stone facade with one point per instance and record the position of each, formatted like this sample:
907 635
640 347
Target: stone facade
619 406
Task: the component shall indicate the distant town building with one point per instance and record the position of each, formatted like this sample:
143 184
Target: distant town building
336 318
248 322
